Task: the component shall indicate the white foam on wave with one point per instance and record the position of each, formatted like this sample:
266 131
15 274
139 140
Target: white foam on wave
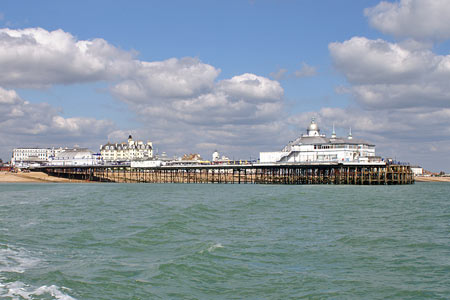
18 260
18 289
15 259
213 247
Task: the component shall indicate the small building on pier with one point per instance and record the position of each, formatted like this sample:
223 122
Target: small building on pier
315 147
75 157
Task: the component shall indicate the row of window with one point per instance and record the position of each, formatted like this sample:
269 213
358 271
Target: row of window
340 147
140 147
326 157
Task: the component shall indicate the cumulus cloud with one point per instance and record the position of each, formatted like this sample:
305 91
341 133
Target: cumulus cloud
251 87
172 78
386 75
27 124
35 57
377 61
401 89
217 113
179 101
418 19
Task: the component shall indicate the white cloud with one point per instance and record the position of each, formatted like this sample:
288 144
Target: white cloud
385 75
401 88
221 113
27 124
35 57
196 110
377 61
179 101
251 87
418 19
172 78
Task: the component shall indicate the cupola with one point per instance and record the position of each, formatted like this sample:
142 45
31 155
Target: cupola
313 129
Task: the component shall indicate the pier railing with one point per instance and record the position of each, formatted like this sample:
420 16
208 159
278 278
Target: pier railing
357 174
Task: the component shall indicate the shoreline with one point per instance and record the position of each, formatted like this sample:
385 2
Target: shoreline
431 179
33 177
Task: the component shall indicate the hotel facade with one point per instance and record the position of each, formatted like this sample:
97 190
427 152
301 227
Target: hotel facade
23 157
127 151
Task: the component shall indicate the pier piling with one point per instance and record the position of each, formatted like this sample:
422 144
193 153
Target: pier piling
241 174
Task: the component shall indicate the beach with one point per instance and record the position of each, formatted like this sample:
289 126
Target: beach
23 177
431 179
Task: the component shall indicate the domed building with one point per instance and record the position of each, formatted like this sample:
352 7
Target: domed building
75 157
314 147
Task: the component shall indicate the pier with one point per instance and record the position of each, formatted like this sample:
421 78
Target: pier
325 173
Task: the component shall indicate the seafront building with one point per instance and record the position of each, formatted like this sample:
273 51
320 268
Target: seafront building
34 157
75 157
216 158
29 156
127 151
417 170
314 147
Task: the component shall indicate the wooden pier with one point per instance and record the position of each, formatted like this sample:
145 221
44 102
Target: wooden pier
331 173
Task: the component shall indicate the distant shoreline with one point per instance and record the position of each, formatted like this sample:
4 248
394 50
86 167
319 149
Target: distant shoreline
431 179
32 177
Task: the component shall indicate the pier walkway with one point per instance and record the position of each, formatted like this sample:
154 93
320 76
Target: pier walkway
319 173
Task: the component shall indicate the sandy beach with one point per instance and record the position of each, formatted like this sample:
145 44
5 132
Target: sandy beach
31 177
431 179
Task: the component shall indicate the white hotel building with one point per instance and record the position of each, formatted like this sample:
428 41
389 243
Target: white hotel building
127 151
31 157
314 147
24 157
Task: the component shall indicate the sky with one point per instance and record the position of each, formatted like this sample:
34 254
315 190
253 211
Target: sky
239 77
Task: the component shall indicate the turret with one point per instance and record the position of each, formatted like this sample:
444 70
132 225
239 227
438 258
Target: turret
333 135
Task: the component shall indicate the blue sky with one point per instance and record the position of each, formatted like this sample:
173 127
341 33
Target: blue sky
285 45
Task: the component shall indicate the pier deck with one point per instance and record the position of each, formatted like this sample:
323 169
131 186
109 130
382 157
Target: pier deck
325 173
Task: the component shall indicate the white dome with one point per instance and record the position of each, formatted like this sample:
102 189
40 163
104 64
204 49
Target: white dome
313 128
74 154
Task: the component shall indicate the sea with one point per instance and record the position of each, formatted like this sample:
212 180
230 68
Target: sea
223 241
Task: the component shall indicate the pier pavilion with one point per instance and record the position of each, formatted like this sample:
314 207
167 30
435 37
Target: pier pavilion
317 147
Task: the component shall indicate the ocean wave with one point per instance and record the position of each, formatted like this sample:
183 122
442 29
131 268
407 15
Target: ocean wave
19 290
212 248
16 260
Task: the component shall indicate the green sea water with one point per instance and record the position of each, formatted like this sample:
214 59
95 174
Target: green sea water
175 241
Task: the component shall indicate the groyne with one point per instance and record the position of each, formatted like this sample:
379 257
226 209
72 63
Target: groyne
325 173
